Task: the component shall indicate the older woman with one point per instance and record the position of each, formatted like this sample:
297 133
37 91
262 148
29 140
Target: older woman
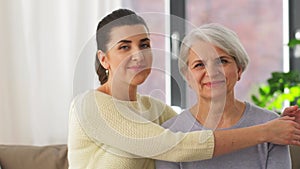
212 61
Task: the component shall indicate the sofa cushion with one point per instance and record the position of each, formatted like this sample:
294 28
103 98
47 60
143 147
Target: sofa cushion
33 157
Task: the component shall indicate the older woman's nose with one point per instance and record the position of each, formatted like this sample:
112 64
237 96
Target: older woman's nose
213 69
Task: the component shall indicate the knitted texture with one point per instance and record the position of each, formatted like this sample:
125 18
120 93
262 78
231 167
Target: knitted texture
109 133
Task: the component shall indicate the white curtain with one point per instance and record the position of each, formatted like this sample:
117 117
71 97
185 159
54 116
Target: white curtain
42 43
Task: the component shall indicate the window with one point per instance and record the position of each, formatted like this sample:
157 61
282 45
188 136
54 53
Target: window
259 24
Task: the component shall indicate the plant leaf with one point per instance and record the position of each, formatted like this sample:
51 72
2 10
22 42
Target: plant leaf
293 42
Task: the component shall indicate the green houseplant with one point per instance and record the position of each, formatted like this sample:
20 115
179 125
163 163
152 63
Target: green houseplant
281 87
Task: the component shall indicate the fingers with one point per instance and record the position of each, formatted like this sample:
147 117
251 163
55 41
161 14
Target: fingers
290 110
287 118
295 142
295 128
295 120
297 111
296 114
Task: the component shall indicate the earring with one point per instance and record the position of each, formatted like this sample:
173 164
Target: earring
106 72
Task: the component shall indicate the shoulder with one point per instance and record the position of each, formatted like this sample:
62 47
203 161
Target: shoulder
259 112
153 103
90 99
182 122
149 100
78 99
158 107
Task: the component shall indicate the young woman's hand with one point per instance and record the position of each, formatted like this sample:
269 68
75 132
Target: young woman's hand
283 130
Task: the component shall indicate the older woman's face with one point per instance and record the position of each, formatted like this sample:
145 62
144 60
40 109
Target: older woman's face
211 71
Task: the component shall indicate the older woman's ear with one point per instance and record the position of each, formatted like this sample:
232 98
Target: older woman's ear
240 72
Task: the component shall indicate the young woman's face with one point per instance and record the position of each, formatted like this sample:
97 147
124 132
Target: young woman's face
129 54
211 71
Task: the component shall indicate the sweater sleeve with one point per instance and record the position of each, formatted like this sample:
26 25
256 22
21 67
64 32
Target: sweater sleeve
119 128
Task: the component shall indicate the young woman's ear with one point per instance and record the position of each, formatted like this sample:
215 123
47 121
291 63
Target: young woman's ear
102 59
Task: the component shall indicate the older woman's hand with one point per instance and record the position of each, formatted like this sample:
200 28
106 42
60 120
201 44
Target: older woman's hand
292 111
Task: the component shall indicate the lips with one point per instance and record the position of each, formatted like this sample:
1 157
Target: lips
214 83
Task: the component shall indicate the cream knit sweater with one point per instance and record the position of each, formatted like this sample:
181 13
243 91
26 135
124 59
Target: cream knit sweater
105 133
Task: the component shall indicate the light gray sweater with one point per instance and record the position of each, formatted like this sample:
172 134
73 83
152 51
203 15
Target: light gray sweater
262 156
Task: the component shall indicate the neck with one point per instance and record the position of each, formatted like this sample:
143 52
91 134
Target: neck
120 91
218 113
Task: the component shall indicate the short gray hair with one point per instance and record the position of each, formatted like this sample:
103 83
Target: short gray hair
218 35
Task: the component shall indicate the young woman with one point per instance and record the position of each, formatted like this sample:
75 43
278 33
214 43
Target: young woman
115 127
212 61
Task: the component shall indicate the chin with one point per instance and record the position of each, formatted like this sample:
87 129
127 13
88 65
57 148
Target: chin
140 78
137 81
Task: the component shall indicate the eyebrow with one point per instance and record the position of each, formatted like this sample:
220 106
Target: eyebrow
194 61
125 41
145 39
129 41
218 58
228 57
225 56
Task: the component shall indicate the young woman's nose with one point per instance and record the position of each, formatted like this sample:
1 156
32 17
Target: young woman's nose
137 55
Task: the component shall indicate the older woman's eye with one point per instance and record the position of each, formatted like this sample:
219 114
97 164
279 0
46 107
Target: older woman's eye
199 65
222 61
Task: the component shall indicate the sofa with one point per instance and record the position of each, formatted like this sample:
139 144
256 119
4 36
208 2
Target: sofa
55 157
33 157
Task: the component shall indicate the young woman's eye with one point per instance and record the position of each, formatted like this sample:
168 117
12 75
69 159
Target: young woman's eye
125 47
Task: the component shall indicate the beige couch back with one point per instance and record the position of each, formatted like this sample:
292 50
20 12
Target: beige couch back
33 157
55 157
